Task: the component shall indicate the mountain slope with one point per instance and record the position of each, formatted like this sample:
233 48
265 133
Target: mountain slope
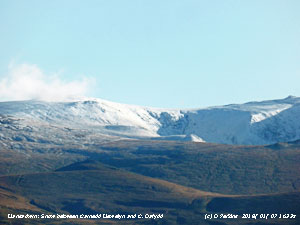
91 188
253 123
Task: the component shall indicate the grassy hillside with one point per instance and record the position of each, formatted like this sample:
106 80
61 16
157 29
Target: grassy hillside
178 179
90 187
217 168
211 167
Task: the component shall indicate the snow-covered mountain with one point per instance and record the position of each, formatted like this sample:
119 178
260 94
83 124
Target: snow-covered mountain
252 123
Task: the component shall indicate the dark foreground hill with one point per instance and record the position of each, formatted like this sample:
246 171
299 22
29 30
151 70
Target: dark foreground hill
92 188
224 169
177 179
217 168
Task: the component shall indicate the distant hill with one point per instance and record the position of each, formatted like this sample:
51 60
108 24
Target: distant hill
252 123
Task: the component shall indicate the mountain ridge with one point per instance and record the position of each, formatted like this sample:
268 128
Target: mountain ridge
251 123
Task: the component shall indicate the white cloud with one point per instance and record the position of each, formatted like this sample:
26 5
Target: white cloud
27 81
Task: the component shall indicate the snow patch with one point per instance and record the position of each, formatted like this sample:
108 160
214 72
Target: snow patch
252 123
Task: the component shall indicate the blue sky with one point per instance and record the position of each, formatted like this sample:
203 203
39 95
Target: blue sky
174 54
